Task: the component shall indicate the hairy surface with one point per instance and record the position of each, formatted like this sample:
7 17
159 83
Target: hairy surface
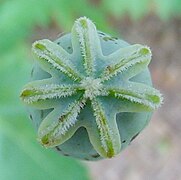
89 86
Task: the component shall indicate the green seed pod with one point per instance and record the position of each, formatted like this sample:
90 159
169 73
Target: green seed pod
91 94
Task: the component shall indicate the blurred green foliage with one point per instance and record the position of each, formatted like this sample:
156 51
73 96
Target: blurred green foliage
21 157
18 18
137 9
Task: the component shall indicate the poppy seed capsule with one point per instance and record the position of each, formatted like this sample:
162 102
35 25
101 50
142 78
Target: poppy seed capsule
91 94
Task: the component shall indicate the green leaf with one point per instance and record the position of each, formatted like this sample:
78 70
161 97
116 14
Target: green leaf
167 8
115 7
21 156
164 8
138 8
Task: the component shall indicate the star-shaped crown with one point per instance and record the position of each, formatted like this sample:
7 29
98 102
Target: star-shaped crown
88 78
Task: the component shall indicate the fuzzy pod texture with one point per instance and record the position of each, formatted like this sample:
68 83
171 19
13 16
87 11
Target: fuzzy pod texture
91 94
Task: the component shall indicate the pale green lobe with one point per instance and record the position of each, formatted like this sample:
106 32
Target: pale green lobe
54 131
125 58
30 96
85 35
48 91
50 55
138 93
107 141
43 94
86 77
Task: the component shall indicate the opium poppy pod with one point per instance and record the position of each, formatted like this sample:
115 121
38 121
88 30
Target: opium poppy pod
91 94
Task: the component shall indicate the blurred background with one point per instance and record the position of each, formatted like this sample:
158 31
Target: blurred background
156 153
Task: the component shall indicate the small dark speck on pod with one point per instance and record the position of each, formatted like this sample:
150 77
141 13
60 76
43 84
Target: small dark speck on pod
32 71
42 114
66 154
134 137
123 141
31 117
57 148
95 155
101 33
